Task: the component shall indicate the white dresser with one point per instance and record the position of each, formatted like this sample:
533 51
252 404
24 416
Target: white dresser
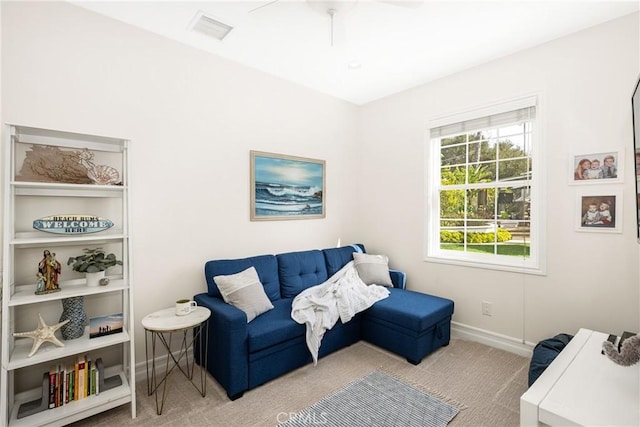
582 387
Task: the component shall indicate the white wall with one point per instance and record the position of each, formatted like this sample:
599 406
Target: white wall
585 82
192 118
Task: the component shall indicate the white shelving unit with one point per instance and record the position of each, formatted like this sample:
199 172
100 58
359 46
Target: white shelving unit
28 199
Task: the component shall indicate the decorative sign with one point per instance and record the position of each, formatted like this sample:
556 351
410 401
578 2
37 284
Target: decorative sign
72 224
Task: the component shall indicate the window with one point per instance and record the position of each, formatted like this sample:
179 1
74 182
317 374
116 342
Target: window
483 201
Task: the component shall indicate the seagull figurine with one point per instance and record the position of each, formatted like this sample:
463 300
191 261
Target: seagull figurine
43 333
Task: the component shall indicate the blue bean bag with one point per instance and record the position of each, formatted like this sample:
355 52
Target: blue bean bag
544 353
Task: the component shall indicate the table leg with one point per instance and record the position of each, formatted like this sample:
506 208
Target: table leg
204 360
189 373
152 380
146 352
166 372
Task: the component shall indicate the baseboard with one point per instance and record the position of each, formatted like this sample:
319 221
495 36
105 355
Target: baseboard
141 367
492 339
141 371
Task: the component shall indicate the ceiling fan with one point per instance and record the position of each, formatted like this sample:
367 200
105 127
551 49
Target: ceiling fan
332 8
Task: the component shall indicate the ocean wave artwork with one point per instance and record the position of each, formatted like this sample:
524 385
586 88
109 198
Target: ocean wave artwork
277 199
287 187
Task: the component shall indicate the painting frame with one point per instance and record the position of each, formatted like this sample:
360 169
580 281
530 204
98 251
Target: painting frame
104 325
576 160
286 187
635 118
602 220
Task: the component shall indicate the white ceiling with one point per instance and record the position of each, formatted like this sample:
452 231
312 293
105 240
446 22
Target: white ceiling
398 45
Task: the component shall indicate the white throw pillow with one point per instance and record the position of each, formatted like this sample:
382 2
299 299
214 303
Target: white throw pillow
373 269
244 291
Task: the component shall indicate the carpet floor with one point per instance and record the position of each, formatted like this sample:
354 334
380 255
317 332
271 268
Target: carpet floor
376 400
485 382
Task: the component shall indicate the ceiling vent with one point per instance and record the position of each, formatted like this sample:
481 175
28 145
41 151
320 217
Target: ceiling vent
209 26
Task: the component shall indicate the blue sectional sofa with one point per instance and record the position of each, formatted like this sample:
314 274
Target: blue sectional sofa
244 355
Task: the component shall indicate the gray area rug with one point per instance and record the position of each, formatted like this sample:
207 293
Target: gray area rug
377 399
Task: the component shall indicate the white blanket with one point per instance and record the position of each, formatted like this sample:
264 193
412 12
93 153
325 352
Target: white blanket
341 297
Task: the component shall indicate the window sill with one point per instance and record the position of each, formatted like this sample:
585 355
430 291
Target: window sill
523 269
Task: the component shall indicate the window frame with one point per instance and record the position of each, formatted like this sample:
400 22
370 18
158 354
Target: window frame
536 262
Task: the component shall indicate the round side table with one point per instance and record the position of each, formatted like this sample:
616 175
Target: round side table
162 325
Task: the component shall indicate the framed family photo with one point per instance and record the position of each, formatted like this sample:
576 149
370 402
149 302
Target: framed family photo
286 187
599 211
597 168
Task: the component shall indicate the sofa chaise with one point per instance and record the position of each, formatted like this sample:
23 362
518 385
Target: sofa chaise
244 354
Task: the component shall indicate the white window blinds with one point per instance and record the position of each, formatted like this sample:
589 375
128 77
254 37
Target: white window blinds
494 120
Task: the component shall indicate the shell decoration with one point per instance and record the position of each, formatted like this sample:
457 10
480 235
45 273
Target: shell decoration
100 174
103 175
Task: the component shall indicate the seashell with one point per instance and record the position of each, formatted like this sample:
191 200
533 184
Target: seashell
103 175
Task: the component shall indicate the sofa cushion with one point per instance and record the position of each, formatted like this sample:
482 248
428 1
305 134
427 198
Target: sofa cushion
373 269
266 266
411 310
244 291
300 270
274 327
336 258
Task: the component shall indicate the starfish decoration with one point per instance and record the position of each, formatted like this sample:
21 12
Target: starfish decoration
41 334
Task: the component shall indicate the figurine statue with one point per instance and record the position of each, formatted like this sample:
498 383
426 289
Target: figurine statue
50 269
40 284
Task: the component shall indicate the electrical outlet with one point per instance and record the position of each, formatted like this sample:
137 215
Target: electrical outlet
486 308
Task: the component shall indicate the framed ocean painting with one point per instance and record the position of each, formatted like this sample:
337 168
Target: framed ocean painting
286 187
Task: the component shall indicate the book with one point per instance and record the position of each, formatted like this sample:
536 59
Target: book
99 375
87 378
93 379
58 386
69 386
52 387
97 379
76 380
81 378
70 376
63 385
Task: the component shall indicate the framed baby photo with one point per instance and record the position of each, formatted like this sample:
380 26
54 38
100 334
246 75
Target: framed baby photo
599 211
597 168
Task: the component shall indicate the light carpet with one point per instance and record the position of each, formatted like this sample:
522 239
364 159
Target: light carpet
486 380
377 399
